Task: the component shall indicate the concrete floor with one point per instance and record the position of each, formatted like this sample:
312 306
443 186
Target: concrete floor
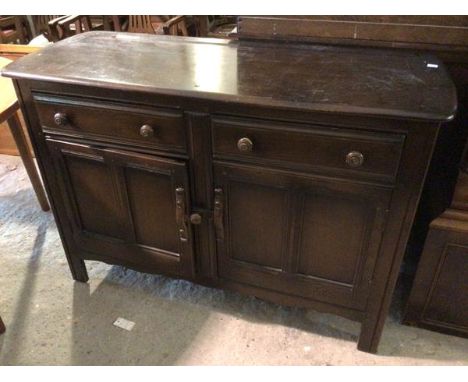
52 320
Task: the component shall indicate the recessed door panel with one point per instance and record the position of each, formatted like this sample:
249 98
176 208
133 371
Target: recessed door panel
332 236
98 207
256 222
151 196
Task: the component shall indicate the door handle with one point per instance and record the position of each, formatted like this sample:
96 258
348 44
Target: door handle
180 214
218 213
196 218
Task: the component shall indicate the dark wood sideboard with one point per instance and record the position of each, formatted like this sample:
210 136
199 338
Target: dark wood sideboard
439 296
290 172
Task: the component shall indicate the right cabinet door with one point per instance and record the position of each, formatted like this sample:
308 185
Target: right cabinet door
298 234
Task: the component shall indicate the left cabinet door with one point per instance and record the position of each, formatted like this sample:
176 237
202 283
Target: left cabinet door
123 207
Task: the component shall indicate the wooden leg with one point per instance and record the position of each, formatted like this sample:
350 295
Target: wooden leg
373 325
369 337
116 23
20 140
2 326
202 24
78 269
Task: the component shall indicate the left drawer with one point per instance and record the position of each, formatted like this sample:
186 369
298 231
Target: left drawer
157 128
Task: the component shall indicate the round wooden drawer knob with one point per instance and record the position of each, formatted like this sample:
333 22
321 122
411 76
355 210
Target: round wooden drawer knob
354 159
61 119
146 131
245 145
195 219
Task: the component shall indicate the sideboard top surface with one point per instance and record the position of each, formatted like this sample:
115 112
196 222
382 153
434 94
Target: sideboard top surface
319 78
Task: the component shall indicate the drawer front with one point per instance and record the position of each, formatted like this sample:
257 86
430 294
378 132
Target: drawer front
156 128
336 151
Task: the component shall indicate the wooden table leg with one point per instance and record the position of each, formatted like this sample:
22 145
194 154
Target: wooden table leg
2 326
20 140
202 24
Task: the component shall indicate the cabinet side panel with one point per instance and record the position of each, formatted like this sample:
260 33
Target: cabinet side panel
419 145
46 168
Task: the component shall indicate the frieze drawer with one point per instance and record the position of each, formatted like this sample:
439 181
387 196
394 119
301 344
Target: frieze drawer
157 128
344 152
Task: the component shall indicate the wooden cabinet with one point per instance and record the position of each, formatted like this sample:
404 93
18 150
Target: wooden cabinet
439 296
249 171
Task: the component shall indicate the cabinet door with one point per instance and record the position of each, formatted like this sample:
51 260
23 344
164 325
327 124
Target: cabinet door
297 234
124 208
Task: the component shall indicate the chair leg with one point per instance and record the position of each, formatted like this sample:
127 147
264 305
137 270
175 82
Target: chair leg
20 140
2 326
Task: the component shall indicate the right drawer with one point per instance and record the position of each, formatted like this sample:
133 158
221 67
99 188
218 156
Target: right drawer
328 150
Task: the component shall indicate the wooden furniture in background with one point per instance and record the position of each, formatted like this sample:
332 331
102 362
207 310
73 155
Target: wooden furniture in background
216 26
146 24
15 51
47 25
12 52
223 27
56 28
76 24
433 32
9 108
176 26
169 25
140 24
439 297
116 23
300 190
13 29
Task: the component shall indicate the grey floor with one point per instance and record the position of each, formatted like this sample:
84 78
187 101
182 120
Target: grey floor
52 320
